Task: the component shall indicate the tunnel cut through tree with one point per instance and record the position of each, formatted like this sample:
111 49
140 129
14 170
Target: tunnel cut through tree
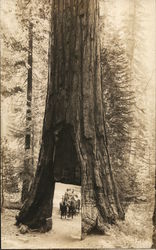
74 122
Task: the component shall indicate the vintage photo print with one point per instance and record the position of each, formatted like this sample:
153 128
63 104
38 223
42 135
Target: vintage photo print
78 84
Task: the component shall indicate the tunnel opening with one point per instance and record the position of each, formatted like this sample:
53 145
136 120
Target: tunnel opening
67 177
67 167
67 227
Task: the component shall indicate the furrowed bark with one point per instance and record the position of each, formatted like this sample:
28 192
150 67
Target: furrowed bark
74 122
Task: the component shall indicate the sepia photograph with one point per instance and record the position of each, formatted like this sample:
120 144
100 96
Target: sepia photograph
78 89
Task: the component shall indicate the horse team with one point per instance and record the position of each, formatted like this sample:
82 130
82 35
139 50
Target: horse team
70 205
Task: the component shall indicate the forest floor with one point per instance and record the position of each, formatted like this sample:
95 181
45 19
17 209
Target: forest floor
134 232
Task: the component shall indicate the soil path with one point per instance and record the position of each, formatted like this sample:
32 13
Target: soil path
134 232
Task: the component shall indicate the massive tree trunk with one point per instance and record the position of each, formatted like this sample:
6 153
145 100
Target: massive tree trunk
74 144
28 166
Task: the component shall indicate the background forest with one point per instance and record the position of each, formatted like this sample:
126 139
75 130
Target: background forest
128 80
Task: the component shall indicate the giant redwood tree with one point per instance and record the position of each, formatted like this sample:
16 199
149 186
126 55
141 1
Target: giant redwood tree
74 141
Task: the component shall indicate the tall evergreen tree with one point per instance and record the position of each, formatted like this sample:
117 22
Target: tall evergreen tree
28 166
118 103
74 121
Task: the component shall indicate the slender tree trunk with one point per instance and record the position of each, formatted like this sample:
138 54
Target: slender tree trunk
28 168
74 122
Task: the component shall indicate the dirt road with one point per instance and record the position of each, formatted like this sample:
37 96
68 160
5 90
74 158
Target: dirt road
134 232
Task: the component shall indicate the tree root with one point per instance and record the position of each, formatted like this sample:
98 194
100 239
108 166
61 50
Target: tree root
94 226
45 227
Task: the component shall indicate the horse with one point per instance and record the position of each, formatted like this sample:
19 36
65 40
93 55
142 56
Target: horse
78 206
63 209
72 208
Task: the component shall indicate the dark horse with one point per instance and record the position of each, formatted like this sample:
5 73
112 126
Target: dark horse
72 209
63 209
78 206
